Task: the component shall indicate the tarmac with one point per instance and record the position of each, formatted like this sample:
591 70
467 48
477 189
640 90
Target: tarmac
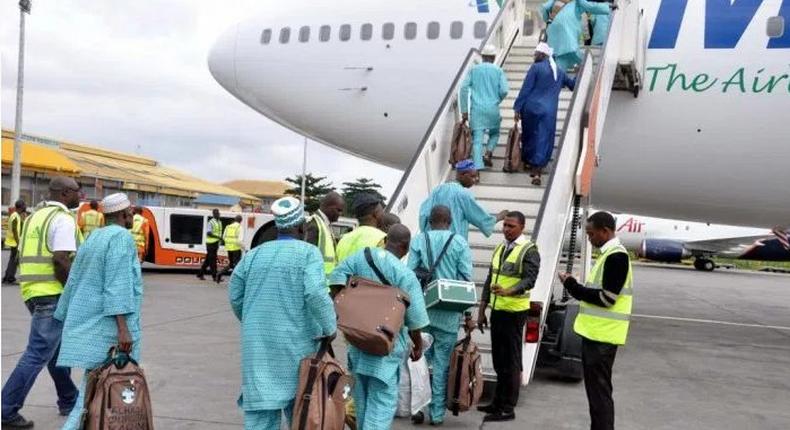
705 351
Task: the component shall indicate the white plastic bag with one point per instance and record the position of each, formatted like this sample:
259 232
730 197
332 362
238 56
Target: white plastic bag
414 391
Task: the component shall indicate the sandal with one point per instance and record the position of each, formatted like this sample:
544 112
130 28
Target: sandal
536 181
487 160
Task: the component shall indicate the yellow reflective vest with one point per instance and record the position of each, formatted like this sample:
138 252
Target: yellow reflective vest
91 220
216 230
138 230
9 234
231 237
362 237
507 274
608 325
326 244
36 268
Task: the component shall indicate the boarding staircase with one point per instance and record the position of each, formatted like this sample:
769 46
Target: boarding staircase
548 208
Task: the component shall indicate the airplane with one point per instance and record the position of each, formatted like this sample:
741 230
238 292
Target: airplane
670 241
706 132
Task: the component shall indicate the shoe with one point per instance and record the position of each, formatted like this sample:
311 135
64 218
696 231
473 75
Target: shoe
418 418
489 409
487 160
18 423
500 416
437 423
201 277
64 412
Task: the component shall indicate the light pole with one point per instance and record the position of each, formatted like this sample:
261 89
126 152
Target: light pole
16 168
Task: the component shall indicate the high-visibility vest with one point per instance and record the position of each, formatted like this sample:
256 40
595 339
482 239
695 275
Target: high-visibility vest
507 274
608 325
138 230
91 220
326 244
231 237
36 268
362 237
9 234
216 230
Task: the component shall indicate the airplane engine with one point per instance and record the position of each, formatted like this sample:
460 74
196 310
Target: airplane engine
663 250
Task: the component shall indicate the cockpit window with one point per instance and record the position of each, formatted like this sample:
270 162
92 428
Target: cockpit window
456 29
410 30
481 28
304 34
388 31
285 34
324 32
345 32
433 30
266 36
366 31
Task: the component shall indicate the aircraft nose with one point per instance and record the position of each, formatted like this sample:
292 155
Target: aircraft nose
222 60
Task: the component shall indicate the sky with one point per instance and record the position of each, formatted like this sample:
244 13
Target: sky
132 76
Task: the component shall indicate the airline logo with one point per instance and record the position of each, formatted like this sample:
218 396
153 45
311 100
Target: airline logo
633 225
482 5
725 23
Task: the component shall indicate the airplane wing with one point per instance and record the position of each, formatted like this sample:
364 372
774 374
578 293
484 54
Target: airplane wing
767 246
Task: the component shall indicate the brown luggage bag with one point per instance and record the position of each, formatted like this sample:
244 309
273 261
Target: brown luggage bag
461 144
513 152
370 314
465 379
323 390
116 396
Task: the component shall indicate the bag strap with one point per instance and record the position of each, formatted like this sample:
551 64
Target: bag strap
429 251
441 254
312 376
372 264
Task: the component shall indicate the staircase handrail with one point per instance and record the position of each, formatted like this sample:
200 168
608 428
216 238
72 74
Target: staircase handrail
597 102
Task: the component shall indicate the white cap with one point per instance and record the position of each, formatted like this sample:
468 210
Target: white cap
489 51
288 212
544 48
115 203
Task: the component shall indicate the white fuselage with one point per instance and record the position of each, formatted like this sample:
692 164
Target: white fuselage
694 152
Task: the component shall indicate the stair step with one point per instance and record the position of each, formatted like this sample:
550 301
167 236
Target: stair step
477 238
495 206
507 193
496 178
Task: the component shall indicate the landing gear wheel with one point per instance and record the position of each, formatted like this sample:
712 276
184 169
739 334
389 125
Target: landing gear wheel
704 264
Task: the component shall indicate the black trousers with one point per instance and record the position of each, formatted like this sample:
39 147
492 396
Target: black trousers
211 259
507 331
233 260
11 266
597 361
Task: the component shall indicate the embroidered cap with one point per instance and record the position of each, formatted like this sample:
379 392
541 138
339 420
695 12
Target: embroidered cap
288 212
465 165
115 203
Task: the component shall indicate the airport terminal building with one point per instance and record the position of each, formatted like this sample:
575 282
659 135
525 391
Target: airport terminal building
101 172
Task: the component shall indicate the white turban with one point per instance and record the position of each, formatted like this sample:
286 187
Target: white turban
115 203
544 48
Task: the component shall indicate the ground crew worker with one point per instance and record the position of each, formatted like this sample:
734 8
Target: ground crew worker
100 306
369 211
233 237
213 238
12 237
140 230
604 315
278 293
488 86
49 238
455 264
457 196
375 389
91 219
318 229
514 269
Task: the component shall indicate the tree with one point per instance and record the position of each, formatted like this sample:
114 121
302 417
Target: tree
315 188
361 185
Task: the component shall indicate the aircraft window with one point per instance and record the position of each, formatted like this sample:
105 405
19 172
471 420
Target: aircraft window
345 32
456 29
481 28
366 31
433 30
410 30
775 27
285 34
304 34
324 32
266 36
388 31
